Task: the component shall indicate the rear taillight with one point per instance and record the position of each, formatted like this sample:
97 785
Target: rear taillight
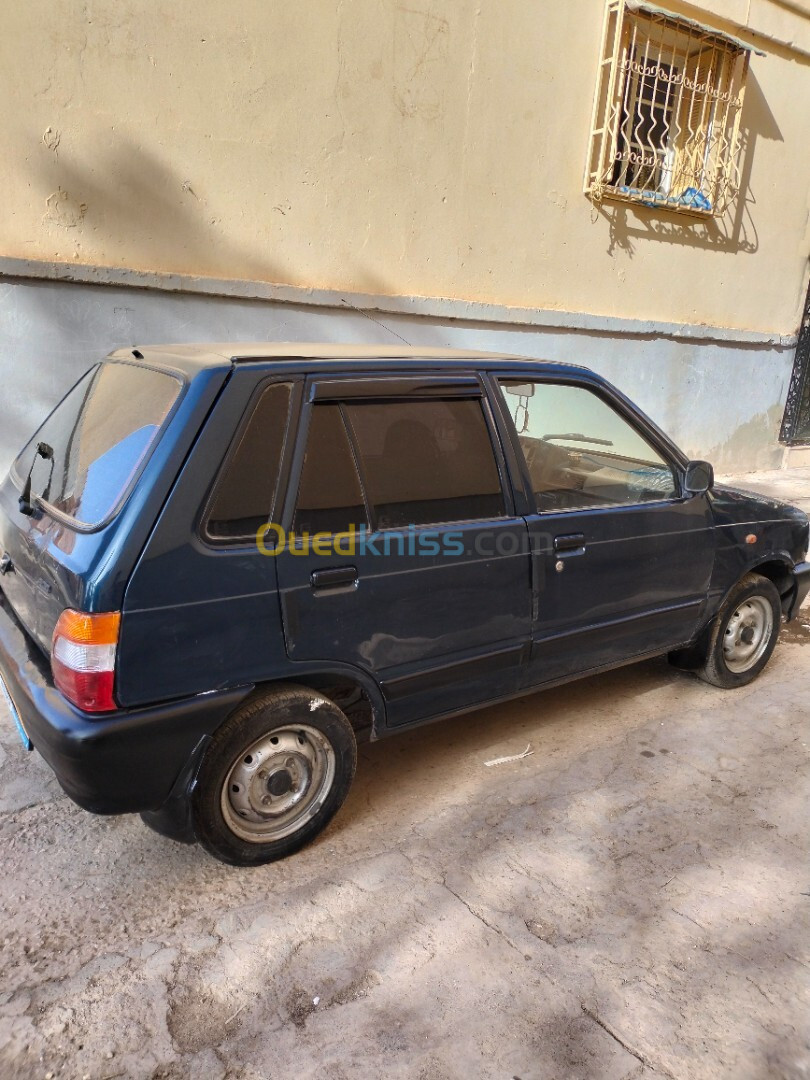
83 658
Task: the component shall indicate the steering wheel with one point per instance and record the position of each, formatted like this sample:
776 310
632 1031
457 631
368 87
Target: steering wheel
548 464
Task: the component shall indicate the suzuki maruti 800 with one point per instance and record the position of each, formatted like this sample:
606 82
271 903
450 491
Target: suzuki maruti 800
219 565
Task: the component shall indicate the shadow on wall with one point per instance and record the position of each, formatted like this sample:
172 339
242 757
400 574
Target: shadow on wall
754 445
735 231
51 332
140 205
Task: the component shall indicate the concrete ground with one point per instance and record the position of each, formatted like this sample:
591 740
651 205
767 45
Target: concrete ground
630 900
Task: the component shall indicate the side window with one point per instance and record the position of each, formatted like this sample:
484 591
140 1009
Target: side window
580 452
426 462
330 498
246 491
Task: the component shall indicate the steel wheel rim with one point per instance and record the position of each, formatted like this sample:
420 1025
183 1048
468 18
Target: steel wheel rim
747 634
278 784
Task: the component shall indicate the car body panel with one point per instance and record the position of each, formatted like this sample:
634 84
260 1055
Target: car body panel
637 583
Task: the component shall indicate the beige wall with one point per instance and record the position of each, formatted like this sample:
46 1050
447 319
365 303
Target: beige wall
432 149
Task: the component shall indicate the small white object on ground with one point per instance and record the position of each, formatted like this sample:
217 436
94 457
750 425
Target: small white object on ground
512 757
232 1018
316 1000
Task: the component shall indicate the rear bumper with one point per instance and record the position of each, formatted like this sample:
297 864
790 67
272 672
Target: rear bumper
119 763
801 575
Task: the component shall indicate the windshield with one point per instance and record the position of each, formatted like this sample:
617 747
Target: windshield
89 451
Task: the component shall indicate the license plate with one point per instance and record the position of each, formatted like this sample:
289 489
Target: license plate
15 717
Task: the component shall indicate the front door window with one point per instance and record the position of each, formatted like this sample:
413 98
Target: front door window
580 452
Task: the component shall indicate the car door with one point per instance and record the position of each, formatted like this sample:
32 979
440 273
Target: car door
400 551
621 560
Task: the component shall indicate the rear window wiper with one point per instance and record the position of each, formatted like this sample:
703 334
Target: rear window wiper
45 451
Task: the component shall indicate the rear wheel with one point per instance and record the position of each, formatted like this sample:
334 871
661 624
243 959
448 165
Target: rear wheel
743 634
275 774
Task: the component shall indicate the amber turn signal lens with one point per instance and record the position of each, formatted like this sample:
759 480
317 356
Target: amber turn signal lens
87 629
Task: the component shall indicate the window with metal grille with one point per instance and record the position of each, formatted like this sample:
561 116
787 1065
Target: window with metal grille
666 119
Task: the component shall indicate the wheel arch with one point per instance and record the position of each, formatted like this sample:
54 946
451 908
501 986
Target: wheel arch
778 568
355 693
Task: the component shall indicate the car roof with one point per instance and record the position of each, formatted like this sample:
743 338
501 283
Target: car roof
194 357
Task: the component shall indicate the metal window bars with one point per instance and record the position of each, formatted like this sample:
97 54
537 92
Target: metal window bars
796 421
666 119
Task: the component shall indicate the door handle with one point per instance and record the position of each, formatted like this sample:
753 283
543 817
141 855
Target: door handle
573 544
337 577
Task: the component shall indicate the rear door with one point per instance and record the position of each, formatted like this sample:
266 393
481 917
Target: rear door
400 551
621 560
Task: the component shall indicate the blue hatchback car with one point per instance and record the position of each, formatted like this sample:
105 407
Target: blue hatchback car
219 565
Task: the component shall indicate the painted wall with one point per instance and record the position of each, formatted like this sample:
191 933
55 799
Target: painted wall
428 149
720 400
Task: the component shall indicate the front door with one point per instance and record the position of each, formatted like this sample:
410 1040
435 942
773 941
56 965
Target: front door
621 560
402 552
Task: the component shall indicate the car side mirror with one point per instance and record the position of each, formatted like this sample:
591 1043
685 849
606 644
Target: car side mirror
699 478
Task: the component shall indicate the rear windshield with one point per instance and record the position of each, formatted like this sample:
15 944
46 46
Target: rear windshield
91 448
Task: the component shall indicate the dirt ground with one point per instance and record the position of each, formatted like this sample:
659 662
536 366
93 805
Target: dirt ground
630 900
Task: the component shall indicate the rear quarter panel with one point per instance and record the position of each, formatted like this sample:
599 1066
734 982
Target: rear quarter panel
198 617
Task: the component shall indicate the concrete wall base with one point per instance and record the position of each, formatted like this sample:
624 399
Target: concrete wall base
796 457
719 399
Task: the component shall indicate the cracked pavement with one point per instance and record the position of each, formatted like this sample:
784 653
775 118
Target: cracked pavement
629 901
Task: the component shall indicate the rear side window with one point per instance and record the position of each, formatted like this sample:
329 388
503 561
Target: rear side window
426 462
330 498
94 444
246 492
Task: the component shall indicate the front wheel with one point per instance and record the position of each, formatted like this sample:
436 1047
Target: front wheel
743 634
275 774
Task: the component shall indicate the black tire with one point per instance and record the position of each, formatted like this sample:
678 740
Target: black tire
289 748
729 661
